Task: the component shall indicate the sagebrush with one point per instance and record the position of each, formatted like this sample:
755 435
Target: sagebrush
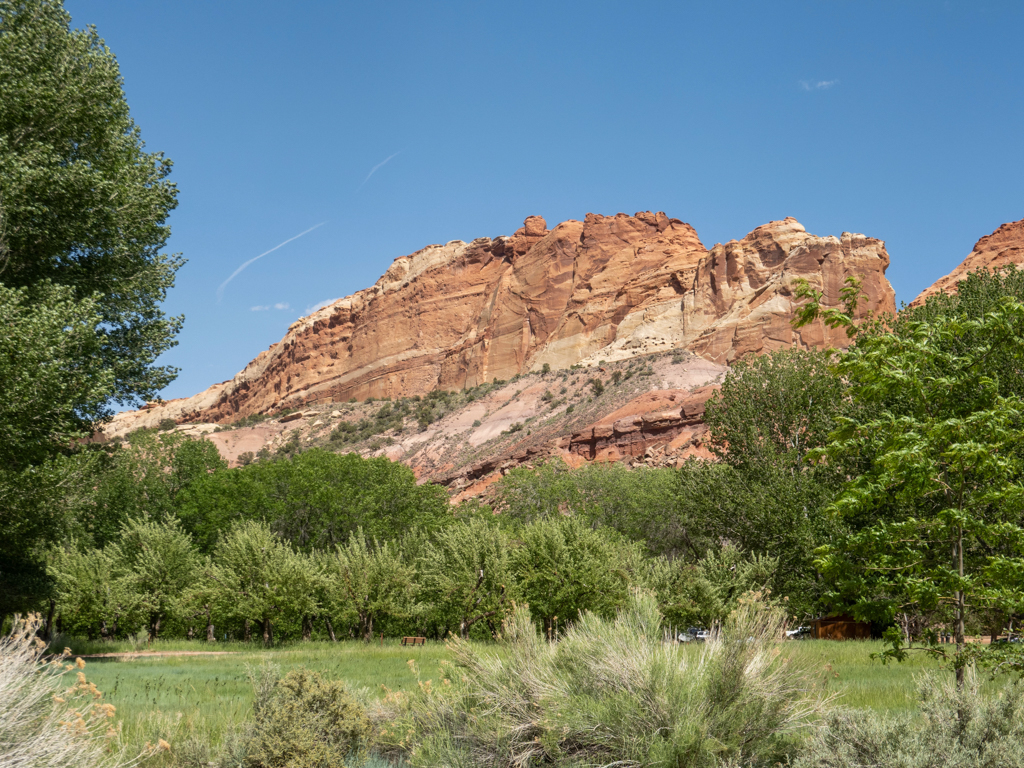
608 692
45 718
957 728
301 720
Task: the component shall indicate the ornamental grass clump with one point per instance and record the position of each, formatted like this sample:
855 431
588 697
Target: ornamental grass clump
609 692
45 718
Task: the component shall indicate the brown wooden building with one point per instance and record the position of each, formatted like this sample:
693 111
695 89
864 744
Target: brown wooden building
840 627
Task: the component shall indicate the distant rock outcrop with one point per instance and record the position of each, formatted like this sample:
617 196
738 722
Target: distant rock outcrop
605 288
1003 247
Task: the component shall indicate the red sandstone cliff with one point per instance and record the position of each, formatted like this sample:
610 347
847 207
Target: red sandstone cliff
1003 247
609 288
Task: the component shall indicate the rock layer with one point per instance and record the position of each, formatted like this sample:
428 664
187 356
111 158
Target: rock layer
1003 247
609 287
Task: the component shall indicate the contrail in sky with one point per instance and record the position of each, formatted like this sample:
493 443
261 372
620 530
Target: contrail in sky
220 290
377 167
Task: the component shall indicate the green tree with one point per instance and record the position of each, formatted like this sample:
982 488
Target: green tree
564 567
773 510
640 503
316 500
146 476
936 514
978 294
367 582
706 592
82 204
83 212
776 407
94 592
258 577
161 565
465 576
51 386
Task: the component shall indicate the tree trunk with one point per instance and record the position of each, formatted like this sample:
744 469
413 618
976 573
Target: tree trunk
210 637
266 632
248 631
960 608
154 627
330 629
307 627
48 627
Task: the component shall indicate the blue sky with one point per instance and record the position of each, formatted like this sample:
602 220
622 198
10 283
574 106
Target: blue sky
903 121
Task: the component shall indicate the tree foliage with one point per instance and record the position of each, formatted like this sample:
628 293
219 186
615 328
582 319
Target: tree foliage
82 204
564 567
83 210
465 572
160 565
640 503
937 510
316 500
260 578
776 407
367 581
705 593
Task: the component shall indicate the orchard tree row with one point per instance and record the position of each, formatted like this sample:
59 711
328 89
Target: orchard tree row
463 579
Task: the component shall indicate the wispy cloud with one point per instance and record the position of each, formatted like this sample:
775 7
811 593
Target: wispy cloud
377 167
321 305
237 272
265 307
817 85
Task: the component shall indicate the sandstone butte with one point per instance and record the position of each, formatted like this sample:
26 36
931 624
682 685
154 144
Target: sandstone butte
1002 248
605 288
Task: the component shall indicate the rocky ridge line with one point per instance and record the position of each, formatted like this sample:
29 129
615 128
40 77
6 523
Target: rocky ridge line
608 288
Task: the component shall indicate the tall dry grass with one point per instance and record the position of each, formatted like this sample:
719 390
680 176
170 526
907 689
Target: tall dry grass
50 714
609 692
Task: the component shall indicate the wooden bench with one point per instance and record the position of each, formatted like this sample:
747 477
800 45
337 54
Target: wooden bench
414 641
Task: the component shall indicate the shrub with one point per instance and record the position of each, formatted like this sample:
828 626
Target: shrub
598 386
955 729
616 377
546 368
303 721
42 723
609 692
167 424
476 422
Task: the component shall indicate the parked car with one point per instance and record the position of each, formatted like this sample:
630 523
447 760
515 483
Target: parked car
798 633
693 635
1010 639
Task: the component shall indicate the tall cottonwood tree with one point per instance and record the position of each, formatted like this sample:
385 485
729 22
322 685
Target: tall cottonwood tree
937 507
83 204
83 220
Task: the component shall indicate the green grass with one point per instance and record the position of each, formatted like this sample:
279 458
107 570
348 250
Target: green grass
178 698
203 697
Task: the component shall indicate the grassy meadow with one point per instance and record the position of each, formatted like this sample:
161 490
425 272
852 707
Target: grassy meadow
200 698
